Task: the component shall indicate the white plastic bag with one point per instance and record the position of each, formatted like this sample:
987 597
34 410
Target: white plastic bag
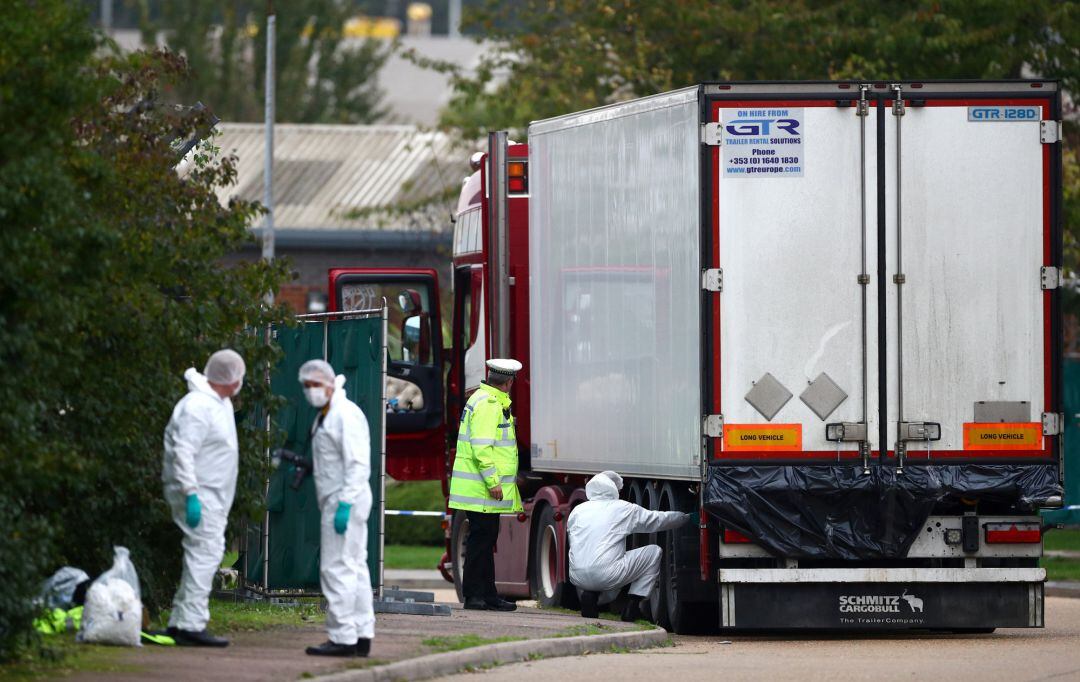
58 591
113 610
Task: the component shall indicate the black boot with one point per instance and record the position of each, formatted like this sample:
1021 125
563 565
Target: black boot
329 648
632 611
192 638
500 604
363 647
590 604
476 604
645 606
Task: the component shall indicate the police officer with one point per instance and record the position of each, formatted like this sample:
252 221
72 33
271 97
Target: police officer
483 483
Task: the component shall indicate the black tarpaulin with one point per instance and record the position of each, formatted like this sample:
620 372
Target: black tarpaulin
838 512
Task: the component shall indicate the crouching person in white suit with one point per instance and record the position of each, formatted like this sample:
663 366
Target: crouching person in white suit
341 455
600 566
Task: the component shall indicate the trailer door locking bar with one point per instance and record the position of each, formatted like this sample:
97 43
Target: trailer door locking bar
914 432
845 431
1049 277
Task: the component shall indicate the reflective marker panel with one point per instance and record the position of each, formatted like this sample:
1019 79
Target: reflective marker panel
1004 436
763 437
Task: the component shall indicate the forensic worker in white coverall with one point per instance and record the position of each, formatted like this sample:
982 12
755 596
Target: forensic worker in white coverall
600 566
199 476
341 458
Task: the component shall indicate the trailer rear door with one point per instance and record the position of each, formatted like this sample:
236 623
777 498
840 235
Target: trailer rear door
793 237
970 340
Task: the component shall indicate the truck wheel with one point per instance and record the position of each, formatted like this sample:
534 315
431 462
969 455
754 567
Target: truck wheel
635 494
658 602
546 555
684 617
459 529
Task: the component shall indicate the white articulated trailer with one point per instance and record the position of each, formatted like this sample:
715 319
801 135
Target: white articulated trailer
827 315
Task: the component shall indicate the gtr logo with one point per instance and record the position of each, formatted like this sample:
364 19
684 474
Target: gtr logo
761 126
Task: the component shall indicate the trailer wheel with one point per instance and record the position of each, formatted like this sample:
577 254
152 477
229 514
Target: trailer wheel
546 555
683 616
635 493
459 530
659 600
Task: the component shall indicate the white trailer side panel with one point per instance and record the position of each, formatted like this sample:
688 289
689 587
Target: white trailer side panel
614 262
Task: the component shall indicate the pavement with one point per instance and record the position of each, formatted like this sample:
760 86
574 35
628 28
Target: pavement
278 654
1013 655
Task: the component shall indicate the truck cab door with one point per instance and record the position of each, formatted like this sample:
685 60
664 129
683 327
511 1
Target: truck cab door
415 424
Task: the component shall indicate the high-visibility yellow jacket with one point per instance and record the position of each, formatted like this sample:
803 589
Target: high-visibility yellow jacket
487 455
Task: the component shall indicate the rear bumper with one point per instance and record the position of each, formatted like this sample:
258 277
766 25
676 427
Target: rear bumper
881 598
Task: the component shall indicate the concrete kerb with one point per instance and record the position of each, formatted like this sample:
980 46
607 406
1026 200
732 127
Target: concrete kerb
435 665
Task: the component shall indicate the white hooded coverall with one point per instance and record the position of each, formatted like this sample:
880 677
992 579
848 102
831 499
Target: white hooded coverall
341 450
597 532
201 457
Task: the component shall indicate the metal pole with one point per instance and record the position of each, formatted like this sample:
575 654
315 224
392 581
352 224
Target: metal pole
498 245
382 458
454 20
268 124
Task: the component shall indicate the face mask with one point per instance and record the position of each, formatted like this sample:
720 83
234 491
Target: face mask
316 395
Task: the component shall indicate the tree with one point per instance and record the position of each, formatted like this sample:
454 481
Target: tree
557 56
110 286
322 76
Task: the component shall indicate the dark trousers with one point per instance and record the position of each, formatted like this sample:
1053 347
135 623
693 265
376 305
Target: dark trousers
478 574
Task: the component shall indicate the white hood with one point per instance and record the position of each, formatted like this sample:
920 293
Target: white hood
600 487
196 381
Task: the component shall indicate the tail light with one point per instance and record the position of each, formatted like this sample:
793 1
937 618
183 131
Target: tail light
522 517
517 177
734 537
1012 533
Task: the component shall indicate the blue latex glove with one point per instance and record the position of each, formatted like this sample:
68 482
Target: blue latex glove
341 517
194 510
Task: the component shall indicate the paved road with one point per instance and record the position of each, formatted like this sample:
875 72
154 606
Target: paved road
1014 655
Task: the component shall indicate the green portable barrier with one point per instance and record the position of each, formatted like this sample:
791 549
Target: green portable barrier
1070 513
355 347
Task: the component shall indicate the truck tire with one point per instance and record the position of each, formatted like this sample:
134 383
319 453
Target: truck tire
545 559
635 493
677 569
658 602
459 529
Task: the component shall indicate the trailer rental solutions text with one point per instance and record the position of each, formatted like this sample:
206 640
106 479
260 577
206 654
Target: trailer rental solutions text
763 142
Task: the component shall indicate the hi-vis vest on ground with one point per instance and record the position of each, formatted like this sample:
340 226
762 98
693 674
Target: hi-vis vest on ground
487 455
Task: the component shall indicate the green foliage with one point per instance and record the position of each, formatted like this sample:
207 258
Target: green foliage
412 556
110 286
559 56
322 76
415 530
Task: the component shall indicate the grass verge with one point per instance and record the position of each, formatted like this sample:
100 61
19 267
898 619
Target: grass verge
1058 569
1062 540
466 641
63 656
227 616
412 556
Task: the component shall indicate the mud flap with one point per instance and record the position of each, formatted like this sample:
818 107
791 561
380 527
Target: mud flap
862 606
880 605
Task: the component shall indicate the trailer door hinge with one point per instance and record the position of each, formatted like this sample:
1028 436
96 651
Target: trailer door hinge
1049 132
1052 423
1050 277
712 279
710 134
713 425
